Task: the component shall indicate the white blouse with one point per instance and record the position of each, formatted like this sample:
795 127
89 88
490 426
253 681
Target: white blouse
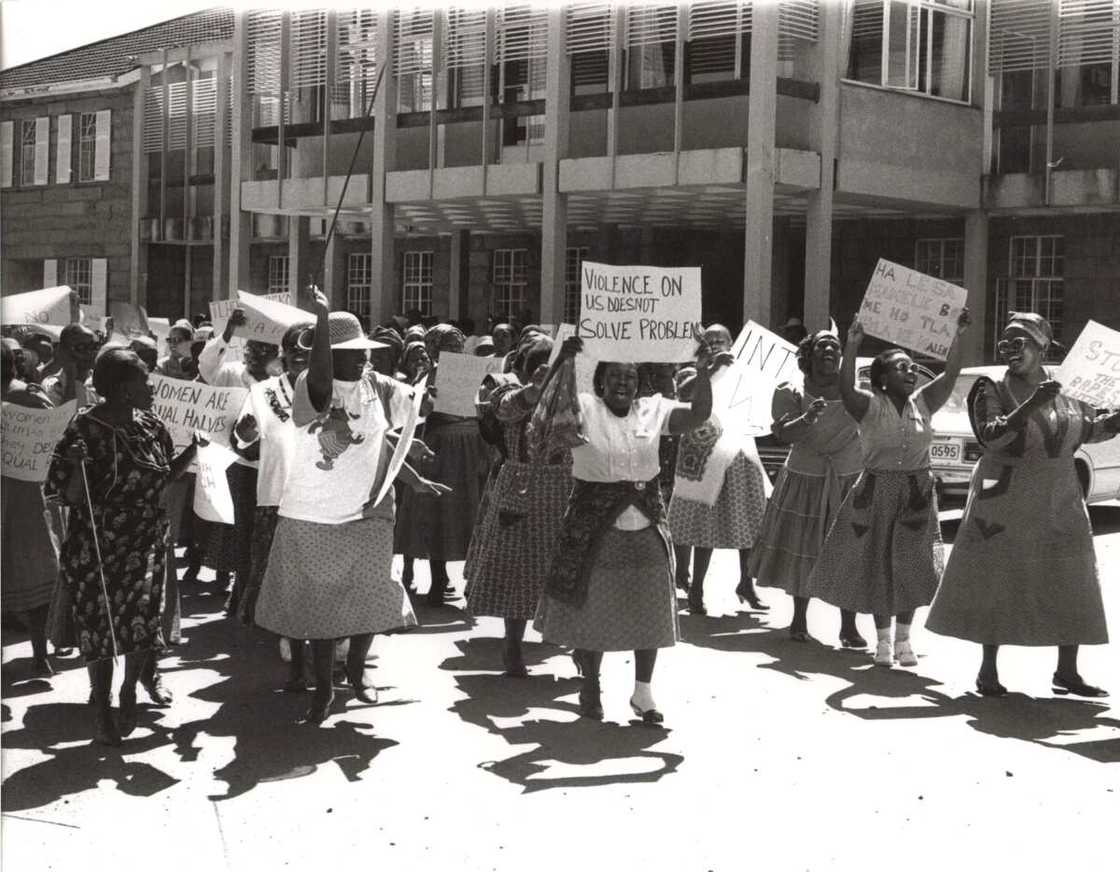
621 449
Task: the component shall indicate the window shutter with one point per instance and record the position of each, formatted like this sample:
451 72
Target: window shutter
1020 35
42 150
709 19
308 51
590 27
5 154
50 273
99 283
62 152
1086 31
522 32
153 120
649 25
413 41
101 151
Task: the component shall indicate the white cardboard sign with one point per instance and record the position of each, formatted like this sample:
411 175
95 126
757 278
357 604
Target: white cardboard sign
268 319
743 394
911 309
457 381
220 311
1091 370
48 306
400 453
212 498
28 437
639 313
187 406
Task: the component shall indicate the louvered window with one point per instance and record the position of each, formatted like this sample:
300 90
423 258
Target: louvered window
651 44
465 56
204 95
797 24
87 146
718 46
356 70
413 56
1088 52
590 32
521 53
1020 35
263 61
307 63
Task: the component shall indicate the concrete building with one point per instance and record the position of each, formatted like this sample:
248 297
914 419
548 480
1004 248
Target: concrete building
476 156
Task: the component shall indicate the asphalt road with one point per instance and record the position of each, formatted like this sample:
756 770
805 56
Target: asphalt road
792 756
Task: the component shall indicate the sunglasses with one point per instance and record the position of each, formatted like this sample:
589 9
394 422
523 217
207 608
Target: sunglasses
1005 346
903 366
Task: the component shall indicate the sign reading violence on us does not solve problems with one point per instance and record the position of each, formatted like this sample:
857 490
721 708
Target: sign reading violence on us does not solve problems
29 436
188 406
916 311
1091 370
639 313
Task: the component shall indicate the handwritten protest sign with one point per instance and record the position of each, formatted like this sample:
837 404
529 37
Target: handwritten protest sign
743 394
267 319
400 453
1091 370
639 313
187 406
457 380
48 306
94 320
220 309
161 327
916 311
212 498
129 321
29 436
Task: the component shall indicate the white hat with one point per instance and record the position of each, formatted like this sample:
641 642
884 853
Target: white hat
346 333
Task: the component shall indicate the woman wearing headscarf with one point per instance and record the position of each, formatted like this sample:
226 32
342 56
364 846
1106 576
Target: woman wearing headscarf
29 550
1023 570
610 584
512 544
720 493
386 359
110 469
439 530
823 464
329 568
883 553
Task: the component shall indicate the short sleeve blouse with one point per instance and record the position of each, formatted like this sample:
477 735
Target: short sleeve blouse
621 448
893 440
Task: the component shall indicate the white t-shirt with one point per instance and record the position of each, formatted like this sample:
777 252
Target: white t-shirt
336 456
270 404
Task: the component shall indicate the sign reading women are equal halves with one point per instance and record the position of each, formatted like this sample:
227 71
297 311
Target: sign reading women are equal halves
639 313
916 311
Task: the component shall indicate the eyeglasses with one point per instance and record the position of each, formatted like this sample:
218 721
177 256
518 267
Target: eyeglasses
903 366
1005 346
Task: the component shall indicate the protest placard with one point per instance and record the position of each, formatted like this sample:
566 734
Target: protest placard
911 309
28 437
1091 369
267 319
93 319
742 396
161 327
639 313
400 453
48 306
212 498
220 309
129 321
187 406
458 379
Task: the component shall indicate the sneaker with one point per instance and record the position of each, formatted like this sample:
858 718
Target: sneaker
905 654
883 654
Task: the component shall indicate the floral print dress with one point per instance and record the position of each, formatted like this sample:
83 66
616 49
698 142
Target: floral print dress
127 470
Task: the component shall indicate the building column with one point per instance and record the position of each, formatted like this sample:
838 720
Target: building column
138 262
221 178
458 304
763 105
299 260
825 117
976 281
383 294
554 211
240 163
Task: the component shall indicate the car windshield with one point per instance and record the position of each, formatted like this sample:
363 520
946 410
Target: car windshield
957 404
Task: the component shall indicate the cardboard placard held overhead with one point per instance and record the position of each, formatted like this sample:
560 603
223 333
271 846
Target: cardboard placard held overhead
916 311
639 314
48 306
128 320
220 311
186 406
268 319
28 437
743 396
457 381
1091 370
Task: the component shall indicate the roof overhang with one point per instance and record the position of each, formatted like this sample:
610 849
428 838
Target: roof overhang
74 86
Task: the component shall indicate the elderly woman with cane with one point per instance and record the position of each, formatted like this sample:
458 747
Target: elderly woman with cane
110 469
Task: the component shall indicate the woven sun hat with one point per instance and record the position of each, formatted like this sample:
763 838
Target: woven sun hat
346 333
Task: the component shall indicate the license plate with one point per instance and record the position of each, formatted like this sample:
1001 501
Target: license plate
945 452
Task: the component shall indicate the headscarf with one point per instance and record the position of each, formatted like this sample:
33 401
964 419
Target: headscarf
415 332
438 335
1035 326
391 338
410 349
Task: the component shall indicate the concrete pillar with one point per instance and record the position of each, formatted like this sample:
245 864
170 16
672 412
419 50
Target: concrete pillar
240 162
825 122
554 212
459 282
383 295
976 281
763 104
299 260
220 244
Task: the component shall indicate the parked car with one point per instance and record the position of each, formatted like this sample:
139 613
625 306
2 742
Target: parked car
954 451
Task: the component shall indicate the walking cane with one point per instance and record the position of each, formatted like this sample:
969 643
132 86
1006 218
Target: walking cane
100 563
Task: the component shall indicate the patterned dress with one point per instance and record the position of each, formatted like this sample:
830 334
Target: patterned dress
1023 570
512 544
127 470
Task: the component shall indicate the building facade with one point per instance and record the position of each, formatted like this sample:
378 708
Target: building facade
470 159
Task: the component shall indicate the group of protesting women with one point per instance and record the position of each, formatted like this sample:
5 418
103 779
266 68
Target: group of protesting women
582 514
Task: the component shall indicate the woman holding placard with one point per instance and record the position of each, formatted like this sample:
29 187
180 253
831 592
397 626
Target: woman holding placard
110 469
720 493
610 586
823 464
1023 570
883 554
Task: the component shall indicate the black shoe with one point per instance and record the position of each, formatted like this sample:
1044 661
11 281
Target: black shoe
104 730
126 713
363 688
514 664
320 708
746 593
696 601
651 717
41 668
990 688
852 640
590 702
1077 687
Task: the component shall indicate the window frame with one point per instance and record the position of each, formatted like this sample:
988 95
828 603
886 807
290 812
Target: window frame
942 243
87 145
359 282
514 278
416 280
1045 289
71 271
26 158
274 286
572 281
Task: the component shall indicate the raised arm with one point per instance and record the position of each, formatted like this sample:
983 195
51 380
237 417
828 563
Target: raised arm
856 401
320 368
684 419
938 391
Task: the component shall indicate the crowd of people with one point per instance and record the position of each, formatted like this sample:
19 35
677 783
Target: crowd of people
585 531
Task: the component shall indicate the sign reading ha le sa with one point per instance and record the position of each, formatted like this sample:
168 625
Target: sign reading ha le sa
916 311
639 313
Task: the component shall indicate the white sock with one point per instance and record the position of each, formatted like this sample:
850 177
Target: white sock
901 633
883 634
643 695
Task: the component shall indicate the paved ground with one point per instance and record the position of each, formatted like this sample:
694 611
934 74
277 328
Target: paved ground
777 754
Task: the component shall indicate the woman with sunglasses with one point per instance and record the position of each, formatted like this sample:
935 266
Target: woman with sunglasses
178 363
883 553
1023 570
